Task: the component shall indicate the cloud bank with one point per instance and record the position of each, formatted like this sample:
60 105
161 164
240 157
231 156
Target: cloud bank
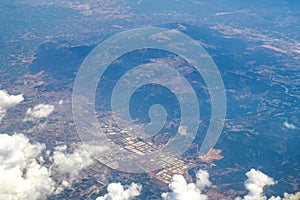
256 183
22 174
181 190
25 175
287 196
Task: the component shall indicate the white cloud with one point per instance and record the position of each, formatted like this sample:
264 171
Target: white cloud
255 185
202 179
116 191
61 102
289 126
22 175
180 190
69 165
25 175
39 111
287 196
8 101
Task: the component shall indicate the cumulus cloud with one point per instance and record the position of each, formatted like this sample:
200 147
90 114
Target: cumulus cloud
22 175
116 191
287 196
8 101
256 183
39 111
25 175
203 181
69 165
180 190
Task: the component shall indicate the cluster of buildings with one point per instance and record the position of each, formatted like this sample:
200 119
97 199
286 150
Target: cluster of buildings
127 147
